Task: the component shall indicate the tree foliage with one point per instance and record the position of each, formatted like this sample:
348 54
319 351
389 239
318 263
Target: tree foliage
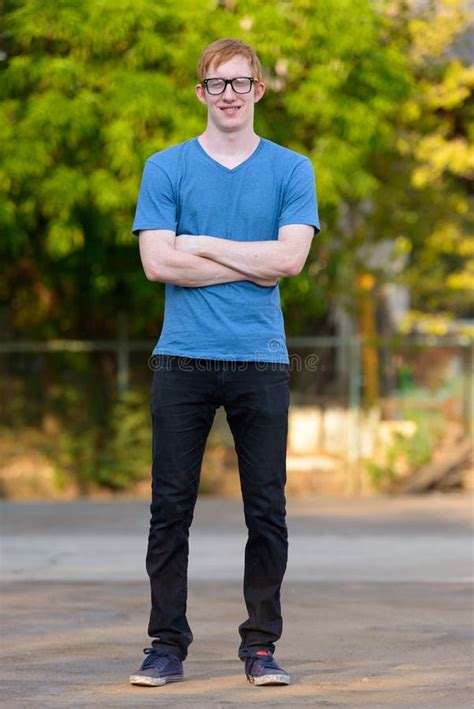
437 142
378 93
370 91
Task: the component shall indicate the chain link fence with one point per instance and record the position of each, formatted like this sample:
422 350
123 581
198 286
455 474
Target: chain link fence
361 410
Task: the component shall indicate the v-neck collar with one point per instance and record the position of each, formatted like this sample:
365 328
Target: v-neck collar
223 167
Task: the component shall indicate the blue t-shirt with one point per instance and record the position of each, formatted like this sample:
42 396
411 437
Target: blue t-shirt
185 190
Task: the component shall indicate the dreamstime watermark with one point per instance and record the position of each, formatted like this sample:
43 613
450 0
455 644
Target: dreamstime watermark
277 356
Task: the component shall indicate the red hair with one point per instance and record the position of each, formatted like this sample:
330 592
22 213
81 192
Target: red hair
222 50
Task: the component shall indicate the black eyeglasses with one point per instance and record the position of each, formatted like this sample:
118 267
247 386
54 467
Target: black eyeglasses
241 85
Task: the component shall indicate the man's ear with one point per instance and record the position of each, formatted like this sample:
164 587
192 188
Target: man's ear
259 91
200 93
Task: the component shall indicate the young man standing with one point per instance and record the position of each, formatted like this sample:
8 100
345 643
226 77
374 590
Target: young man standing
220 219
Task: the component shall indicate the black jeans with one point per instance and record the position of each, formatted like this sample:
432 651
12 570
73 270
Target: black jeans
185 395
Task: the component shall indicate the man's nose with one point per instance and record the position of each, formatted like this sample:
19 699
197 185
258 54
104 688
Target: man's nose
229 92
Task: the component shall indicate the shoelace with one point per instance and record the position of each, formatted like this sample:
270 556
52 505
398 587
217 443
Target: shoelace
155 658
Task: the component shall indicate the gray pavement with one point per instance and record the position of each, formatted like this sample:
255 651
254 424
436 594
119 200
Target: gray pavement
377 602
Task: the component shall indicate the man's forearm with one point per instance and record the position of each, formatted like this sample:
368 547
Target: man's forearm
257 259
192 271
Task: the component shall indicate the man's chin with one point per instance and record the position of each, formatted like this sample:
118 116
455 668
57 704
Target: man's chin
230 125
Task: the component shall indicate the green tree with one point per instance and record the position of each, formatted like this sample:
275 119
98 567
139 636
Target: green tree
375 93
427 207
91 89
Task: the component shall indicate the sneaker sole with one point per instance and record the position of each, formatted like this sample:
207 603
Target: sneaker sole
269 680
154 681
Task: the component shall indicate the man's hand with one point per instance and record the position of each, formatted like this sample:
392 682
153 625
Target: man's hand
267 282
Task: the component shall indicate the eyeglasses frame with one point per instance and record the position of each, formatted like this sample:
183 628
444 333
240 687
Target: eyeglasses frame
229 81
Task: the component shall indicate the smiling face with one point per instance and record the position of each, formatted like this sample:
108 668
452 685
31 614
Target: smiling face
231 112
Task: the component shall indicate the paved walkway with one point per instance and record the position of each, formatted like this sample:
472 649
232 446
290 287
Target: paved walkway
377 603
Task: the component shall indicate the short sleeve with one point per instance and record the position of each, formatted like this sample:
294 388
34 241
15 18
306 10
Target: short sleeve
156 205
300 203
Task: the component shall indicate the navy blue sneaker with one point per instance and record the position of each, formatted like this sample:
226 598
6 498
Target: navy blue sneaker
262 669
159 667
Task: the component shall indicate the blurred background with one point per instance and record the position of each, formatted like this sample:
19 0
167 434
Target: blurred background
380 323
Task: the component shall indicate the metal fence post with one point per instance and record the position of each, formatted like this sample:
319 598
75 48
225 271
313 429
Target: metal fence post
123 368
470 391
353 443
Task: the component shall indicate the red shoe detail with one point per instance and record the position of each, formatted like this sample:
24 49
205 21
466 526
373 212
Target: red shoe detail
262 652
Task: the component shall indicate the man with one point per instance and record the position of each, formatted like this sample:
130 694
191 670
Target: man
220 219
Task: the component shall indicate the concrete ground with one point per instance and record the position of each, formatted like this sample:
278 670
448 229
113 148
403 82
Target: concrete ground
377 604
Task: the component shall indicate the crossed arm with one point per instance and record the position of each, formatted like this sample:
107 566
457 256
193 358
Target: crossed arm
195 261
